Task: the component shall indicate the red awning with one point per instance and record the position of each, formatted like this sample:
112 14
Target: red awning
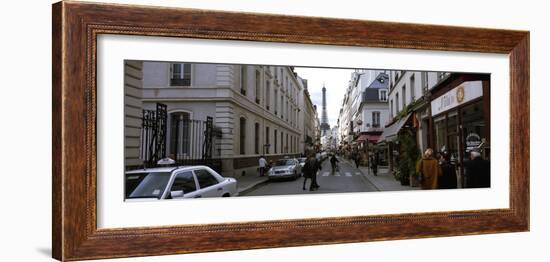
364 137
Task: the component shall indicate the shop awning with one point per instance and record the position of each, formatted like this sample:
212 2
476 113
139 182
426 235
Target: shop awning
390 132
368 137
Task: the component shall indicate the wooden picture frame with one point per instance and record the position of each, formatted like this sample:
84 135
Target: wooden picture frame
76 26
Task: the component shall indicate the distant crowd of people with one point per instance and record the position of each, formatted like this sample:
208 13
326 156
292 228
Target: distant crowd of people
433 173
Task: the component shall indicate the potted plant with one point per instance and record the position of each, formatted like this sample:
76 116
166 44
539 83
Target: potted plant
403 174
408 157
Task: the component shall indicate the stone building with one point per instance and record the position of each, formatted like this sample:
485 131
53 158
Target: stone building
350 118
256 110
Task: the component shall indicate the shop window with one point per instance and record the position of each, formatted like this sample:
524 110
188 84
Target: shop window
474 128
440 133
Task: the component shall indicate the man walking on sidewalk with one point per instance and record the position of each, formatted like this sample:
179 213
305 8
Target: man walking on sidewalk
374 165
310 171
262 163
356 158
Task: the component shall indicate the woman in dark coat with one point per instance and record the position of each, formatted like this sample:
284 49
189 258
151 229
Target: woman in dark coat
478 171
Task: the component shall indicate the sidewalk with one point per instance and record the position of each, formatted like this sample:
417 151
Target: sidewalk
247 182
384 181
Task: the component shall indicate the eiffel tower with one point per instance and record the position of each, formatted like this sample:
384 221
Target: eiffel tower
325 127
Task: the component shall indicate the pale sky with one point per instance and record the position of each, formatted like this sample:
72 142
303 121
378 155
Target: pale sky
336 82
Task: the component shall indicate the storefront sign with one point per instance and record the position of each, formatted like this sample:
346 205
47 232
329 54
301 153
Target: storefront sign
473 141
461 94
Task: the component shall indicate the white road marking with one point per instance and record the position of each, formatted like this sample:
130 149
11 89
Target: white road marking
337 174
348 174
325 174
358 173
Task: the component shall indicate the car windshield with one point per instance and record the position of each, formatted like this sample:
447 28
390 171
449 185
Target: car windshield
302 160
284 162
151 184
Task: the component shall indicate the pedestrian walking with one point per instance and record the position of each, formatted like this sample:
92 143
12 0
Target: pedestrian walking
429 170
333 163
448 177
262 163
478 171
356 158
310 171
374 165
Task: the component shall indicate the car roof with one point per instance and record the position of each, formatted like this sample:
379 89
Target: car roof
164 169
286 159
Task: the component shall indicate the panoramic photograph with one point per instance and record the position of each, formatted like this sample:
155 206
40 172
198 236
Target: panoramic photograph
197 130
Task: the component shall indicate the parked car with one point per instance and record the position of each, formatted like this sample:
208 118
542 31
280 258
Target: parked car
177 182
285 168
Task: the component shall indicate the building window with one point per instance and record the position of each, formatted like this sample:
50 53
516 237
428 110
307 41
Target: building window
403 97
243 79
287 110
257 138
267 145
424 81
383 95
412 85
286 84
267 95
276 103
180 74
275 137
282 105
297 116
258 84
242 135
375 119
179 134
286 145
396 103
282 142
391 108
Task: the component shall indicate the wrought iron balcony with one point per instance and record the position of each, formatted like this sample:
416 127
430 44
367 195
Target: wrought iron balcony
180 82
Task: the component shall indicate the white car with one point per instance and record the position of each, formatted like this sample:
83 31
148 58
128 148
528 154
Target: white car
285 168
177 182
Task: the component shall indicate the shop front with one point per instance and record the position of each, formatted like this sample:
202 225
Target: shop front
461 120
